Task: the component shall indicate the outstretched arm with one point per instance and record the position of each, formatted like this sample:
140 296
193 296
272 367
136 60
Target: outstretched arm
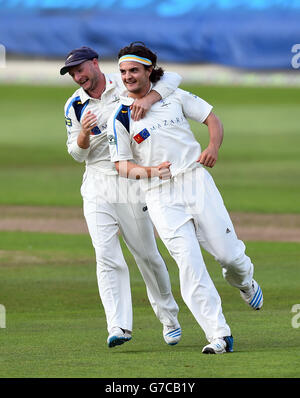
215 128
134 171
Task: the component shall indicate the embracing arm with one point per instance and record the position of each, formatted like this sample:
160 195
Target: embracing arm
168 83
215 128
141 106
128 169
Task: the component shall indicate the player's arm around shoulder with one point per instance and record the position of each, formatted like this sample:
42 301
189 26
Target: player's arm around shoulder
167 84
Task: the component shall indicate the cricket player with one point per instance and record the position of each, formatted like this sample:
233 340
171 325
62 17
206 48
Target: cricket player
183 201
107 206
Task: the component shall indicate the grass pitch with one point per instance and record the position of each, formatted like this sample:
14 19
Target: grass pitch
258 167
55 323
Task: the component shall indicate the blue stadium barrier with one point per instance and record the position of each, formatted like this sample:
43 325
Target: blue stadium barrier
257 34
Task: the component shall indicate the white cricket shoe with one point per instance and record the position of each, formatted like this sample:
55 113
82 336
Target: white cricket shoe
118 336
253 296
219 346
172 334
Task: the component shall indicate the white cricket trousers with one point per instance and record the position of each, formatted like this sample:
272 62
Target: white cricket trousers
188 212
107 212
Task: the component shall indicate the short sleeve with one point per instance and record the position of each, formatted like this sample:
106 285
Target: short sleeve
194 107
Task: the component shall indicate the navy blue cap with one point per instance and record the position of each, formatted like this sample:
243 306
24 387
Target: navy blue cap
77 56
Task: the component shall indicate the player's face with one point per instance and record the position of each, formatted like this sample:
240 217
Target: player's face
135 77
85 75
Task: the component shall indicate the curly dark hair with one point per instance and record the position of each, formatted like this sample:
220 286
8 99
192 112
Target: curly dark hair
139 48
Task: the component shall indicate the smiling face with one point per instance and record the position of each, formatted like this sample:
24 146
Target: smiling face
135 78
86 75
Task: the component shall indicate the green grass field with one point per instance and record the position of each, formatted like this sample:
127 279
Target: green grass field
55 324
258 167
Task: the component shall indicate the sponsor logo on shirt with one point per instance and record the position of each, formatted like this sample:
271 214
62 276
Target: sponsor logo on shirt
111 140
68 121
166 123
164 103
193 95
115 99
141 136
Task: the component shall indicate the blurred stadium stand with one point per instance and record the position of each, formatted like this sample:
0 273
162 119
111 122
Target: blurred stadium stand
246 41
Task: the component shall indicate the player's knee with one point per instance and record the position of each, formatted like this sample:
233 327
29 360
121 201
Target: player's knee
153 258
142 258
107 261
231 260
185 253
230 254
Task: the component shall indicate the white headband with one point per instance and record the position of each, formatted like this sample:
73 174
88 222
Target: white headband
135 58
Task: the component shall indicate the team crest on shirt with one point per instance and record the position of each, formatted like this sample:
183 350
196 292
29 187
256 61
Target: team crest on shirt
141 136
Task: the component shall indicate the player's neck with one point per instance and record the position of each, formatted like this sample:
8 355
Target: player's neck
99 89
141 93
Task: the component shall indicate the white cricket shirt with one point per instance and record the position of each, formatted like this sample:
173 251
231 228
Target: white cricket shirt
97 155
164 134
